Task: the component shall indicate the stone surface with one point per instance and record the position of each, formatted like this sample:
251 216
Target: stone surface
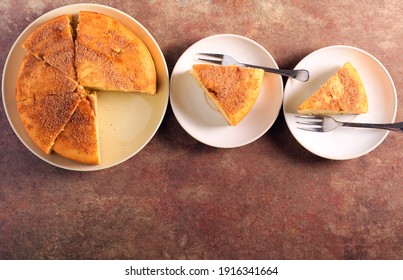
180 199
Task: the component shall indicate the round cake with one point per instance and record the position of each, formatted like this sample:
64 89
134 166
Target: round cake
63 68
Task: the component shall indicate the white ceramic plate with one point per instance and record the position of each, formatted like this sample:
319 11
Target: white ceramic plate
343 143
200 118
127 122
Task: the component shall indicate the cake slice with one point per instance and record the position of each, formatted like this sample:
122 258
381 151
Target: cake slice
37 79
53 42
102 33
132 70
95 42
110 56
87 60
343 93
79 140
233 89
44 118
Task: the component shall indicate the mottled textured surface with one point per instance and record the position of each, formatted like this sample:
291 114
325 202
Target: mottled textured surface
180 199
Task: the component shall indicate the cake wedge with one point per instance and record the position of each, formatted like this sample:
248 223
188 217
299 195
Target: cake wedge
111 57
233 89
342 93
37 79
53 43
132 70
79 140
44 118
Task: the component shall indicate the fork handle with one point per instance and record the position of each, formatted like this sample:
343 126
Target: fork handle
389 126
301 75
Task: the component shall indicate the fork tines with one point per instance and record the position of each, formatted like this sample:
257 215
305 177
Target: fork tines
217 55
313 121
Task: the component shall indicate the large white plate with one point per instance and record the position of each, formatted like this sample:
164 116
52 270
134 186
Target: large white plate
200 118
343 143
127 122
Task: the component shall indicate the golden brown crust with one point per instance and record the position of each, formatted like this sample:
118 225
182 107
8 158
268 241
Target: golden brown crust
132 70
99 37
79 141
37 79
53 42
102 33
109 56
44 118
47 95
87 60
343 93
233 89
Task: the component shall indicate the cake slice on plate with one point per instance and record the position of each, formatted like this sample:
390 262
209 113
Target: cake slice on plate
53 42
99 37
343 93
232 89
102 33
110 56
37 79
132 70
79 140
44 118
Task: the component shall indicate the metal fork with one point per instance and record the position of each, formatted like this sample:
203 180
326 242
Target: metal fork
327 123
223 59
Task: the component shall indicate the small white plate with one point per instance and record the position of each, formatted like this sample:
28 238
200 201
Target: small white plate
200 118
127 122
343 143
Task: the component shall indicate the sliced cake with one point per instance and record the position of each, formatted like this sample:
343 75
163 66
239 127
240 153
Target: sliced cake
343 93
132 70
102 33
79 140
44 118
37 79
55 103
53 42
109 56
233 89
